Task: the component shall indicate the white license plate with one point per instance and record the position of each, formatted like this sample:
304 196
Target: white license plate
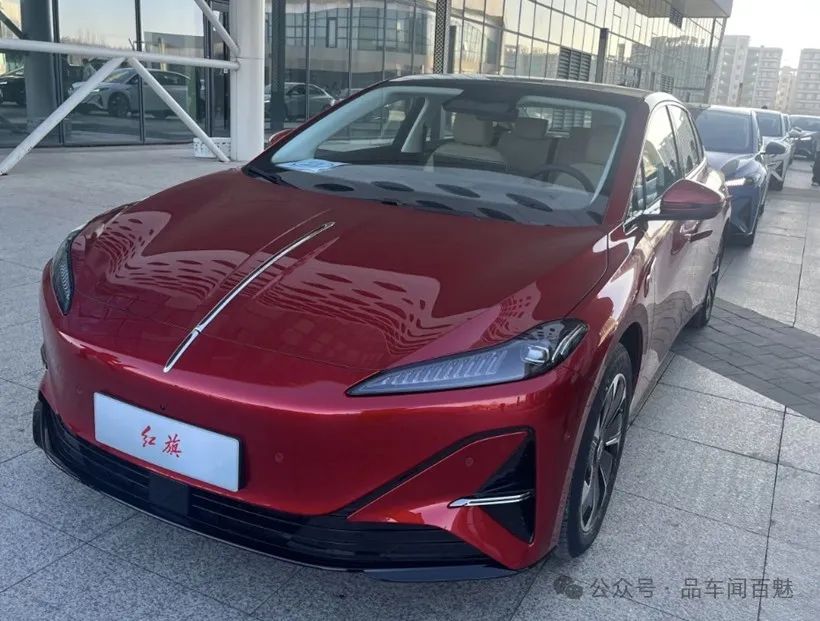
194 452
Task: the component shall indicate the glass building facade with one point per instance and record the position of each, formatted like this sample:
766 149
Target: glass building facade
321 50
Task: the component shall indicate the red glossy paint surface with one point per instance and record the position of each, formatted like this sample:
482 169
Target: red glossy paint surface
383 287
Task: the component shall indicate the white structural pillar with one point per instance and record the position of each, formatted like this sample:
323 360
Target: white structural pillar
247 23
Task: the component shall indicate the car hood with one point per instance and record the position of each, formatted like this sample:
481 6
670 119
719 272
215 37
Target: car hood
384 285
729 163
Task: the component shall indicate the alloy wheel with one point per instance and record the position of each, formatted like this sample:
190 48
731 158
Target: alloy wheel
604 453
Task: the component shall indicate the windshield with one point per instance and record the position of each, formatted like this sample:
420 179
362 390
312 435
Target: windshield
515 153
770 124
120 75
724 131
806 123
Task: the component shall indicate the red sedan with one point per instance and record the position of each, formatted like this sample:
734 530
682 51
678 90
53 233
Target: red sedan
406 339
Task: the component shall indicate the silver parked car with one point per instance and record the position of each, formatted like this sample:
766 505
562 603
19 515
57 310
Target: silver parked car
773 127
119 94
318 100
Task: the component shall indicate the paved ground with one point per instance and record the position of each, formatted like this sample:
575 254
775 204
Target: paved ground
716 514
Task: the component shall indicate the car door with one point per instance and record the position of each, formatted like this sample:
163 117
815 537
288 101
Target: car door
689 237
669 263
295 102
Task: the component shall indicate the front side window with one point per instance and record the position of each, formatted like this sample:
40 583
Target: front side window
659 162
520 152
689 154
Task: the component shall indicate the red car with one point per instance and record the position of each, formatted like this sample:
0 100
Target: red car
405 339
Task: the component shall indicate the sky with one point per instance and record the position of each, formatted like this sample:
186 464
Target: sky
790 24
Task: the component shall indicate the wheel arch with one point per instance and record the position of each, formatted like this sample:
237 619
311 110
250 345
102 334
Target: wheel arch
633 339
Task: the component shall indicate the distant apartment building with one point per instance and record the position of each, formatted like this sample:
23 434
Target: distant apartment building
806 97
726 86
785 89
761 77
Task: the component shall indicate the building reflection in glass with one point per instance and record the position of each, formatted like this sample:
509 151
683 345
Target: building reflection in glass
333 48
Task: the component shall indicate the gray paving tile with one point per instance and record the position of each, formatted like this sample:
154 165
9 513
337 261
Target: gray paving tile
233 576
749 269
316 594
90 584
718 422
31 380
18 304
27 545
801 443
20 608
21 350
13 275
801 567
643 540
711 482
16 405
687 374
796 509
33 485
554 596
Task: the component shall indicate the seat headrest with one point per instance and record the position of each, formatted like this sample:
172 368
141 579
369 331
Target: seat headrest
530 128
601 143
469 129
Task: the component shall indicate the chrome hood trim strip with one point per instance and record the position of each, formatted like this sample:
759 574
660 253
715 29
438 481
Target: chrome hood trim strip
233 293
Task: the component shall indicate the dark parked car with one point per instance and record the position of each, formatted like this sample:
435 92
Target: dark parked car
414 356
13 87
734 146
806 141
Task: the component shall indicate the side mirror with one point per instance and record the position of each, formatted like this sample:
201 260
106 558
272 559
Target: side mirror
689 200
276 137
775 148
795 132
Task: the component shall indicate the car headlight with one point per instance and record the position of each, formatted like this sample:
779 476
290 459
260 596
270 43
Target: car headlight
530 354
62 274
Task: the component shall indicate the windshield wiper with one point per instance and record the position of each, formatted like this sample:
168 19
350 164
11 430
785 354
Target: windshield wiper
273 177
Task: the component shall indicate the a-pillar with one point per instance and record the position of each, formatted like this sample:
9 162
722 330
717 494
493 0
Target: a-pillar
247 26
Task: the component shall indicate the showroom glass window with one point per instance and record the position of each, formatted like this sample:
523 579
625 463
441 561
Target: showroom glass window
111 113
175 28
28 89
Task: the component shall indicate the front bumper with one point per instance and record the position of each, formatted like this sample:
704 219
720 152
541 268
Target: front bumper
746 203
313 455
387 551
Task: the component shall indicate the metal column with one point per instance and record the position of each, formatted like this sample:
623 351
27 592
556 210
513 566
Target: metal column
441 45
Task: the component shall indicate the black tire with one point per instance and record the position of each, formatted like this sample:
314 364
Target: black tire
704 315
748 240
118 106
582 522
776 185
